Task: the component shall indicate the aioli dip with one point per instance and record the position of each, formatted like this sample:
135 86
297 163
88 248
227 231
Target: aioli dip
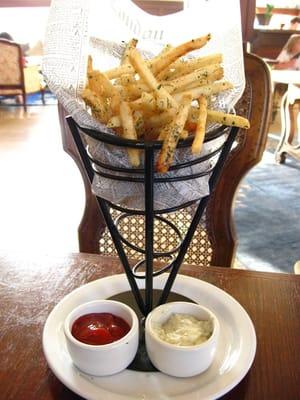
184 330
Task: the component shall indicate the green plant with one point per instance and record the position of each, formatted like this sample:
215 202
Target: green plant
269 9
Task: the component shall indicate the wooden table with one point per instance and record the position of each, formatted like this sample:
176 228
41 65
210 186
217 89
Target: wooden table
30 286
288 114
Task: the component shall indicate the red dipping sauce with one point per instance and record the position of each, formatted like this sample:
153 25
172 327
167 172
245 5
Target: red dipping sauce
99 328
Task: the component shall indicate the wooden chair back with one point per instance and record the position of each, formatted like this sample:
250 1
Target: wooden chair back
214 242
11 70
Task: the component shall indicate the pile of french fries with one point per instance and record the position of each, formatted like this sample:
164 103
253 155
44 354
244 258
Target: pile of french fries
165 98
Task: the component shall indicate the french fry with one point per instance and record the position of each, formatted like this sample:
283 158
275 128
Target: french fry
193 115
139 123
114 122
163 72
219 117
199 77
127 78
134 90
200 129
170 142
184 134
89 65
94 83
129 132
228 119
206 90
166 48
128 68
155 121
159 120
102 86
124 95
166 71
173 54
183 67
129 46
202 82
99 106
165 99
115 103
98 83
147 102
164 132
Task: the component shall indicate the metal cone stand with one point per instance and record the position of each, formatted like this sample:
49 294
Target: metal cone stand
147 176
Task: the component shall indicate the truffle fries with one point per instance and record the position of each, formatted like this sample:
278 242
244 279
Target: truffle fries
165 98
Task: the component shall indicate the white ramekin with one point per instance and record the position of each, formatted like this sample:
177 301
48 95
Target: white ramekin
175 360
108 359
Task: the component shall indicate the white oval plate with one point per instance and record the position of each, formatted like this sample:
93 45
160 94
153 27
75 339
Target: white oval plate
234 356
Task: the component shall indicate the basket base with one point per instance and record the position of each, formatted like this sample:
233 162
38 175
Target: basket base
141 361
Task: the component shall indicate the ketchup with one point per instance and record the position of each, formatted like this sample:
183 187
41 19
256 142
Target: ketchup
99 328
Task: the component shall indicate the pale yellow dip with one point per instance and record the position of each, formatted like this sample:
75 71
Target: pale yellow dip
184 330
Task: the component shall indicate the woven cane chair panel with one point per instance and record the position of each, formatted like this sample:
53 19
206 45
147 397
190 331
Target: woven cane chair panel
200 250
132 228
10 73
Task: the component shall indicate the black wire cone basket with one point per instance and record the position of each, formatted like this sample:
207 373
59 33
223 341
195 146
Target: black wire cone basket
144 299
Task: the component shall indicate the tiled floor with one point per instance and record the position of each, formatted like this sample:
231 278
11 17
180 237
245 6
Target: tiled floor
42 196
267 213
267 216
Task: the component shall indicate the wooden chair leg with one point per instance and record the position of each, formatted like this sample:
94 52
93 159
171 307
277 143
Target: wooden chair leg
279 154
24 101
293 113
91 227
43 96
92 224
